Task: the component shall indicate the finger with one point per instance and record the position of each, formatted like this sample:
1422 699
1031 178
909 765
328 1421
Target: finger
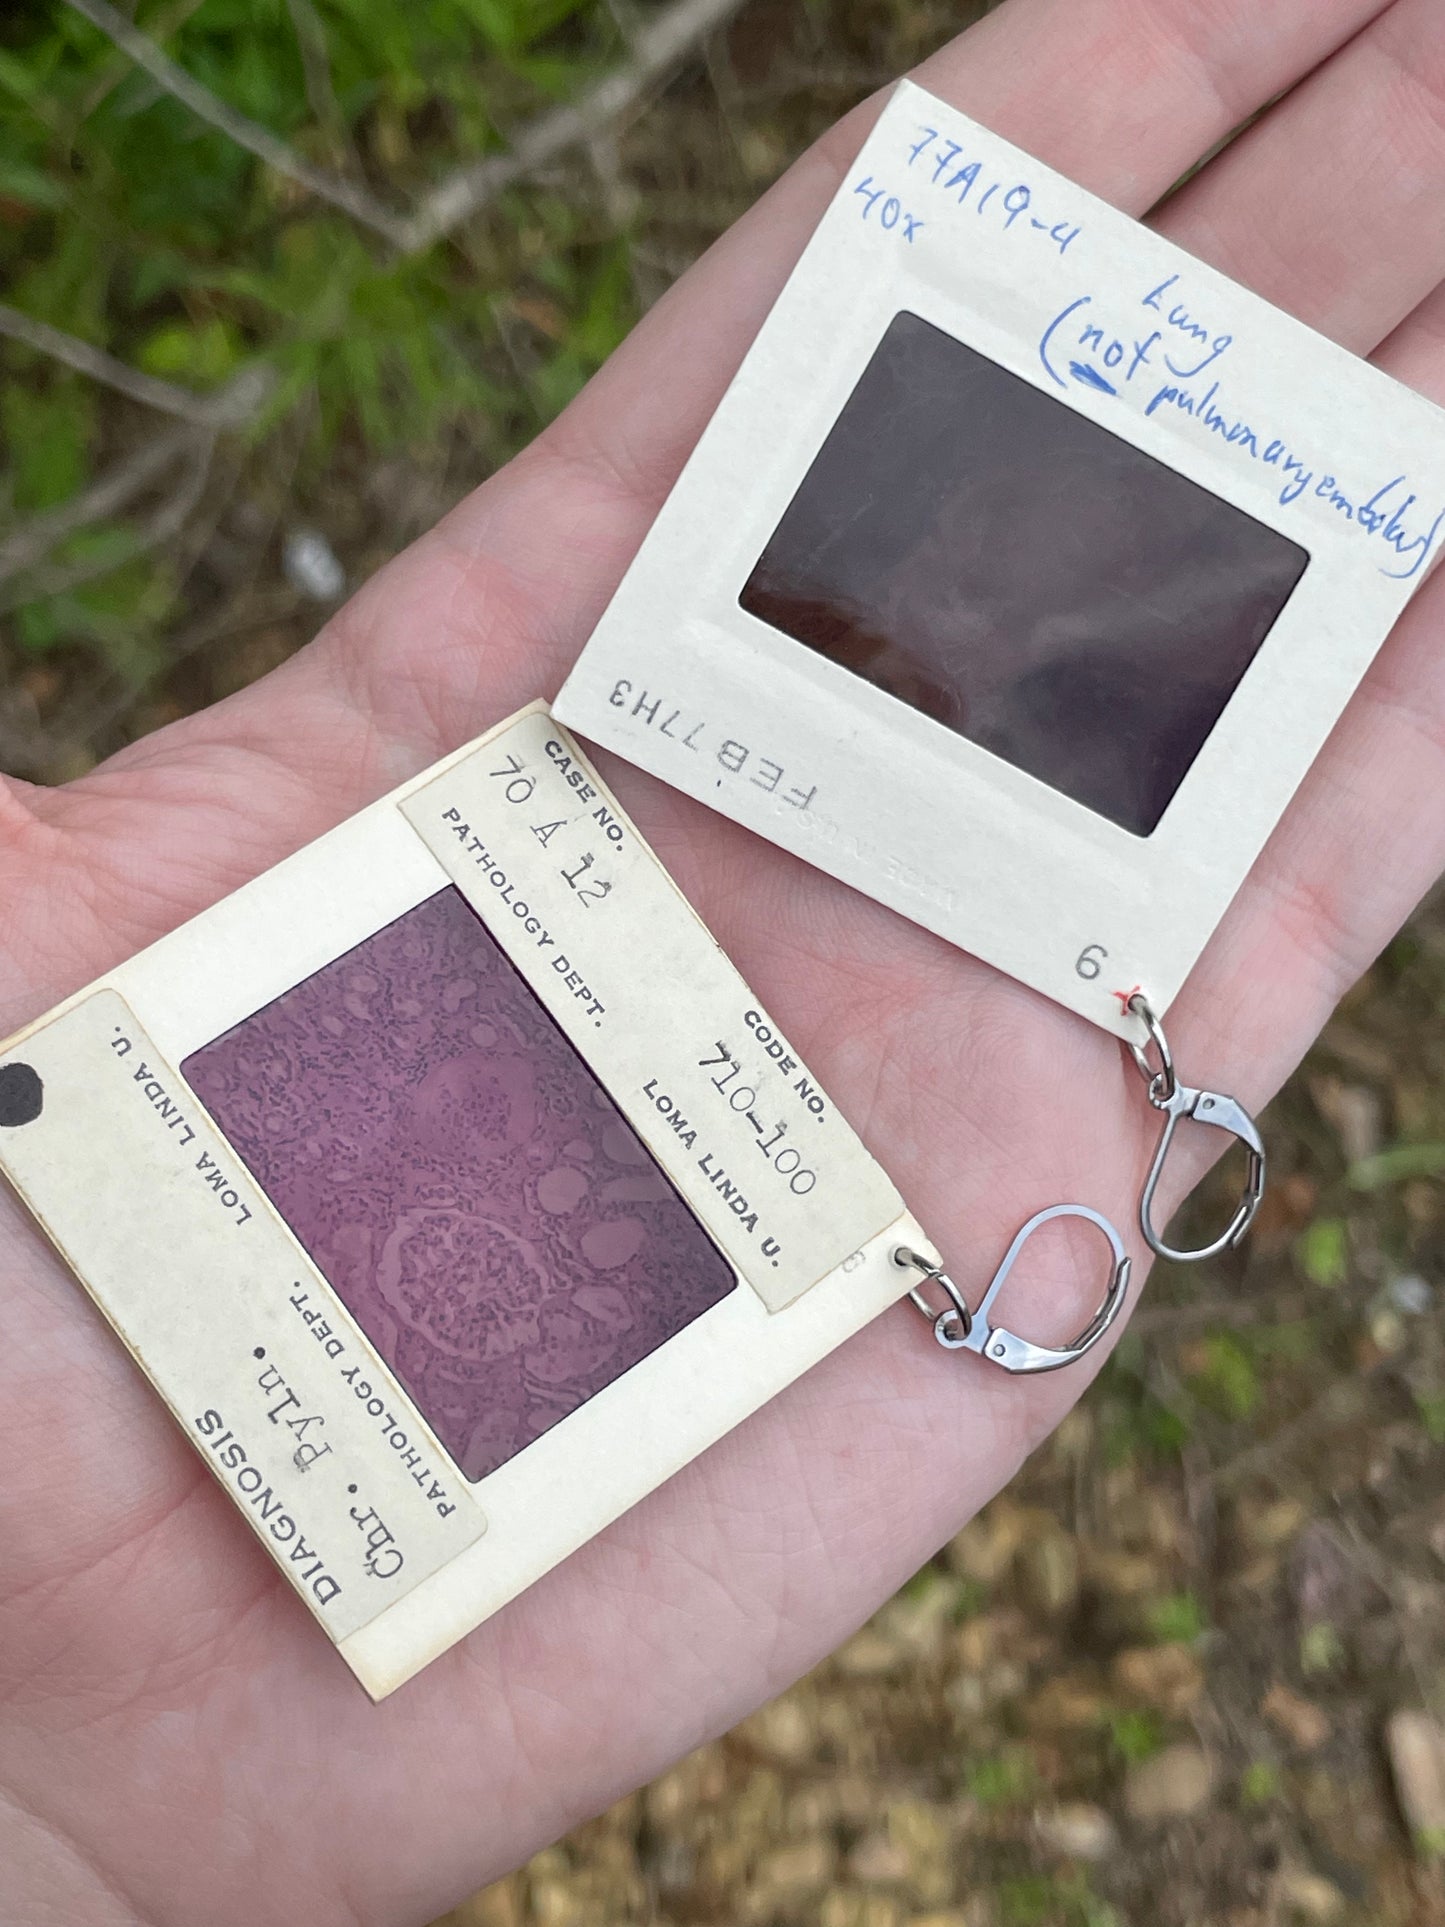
1365 838
1330 205
1415 351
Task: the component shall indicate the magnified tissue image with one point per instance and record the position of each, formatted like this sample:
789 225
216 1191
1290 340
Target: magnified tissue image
1001 563
462 1180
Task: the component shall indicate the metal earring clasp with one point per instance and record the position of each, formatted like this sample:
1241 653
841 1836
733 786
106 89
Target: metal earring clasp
957 1328
1179 1101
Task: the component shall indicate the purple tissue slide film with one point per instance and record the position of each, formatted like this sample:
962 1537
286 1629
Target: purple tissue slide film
458 1175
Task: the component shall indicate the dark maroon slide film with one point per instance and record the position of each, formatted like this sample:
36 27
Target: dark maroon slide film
461 1179
994 559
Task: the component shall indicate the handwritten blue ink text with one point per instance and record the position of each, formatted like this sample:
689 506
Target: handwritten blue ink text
1176 365
889 209
947 168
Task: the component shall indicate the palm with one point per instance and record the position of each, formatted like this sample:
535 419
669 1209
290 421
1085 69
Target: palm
176 1741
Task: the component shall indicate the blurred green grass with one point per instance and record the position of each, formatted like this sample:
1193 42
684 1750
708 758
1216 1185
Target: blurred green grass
127 222
399 377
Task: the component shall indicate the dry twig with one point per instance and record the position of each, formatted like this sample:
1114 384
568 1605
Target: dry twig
29 545
1339 1405
120 67
163 524
310 31
349 196
238 402
202 411
659 46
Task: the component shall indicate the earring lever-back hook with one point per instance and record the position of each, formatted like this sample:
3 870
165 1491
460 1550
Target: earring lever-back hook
957 1328
1180 1101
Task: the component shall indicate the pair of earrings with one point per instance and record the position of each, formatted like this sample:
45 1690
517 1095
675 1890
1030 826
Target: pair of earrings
957 1327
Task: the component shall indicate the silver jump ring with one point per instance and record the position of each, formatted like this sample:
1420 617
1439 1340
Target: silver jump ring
952 1323
1161 1077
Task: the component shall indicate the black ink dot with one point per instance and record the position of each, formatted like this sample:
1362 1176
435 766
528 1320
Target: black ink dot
260 1352
22 1095
351 1488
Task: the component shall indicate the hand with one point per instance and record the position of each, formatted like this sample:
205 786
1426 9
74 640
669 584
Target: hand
177 1740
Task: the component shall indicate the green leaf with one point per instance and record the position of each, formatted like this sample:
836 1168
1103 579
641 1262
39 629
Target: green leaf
1322 1251
1293 1341
17 78
67 283
31 186
1007 1779
1321 1650
47 429
1260 1784
1228 1382
969 1601
204 352
1141 1423
1136 1735
1178 1619
511 26
1400 1162
106 545
119 613
40 626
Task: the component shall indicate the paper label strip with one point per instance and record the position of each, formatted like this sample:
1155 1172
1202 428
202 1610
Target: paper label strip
600 931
